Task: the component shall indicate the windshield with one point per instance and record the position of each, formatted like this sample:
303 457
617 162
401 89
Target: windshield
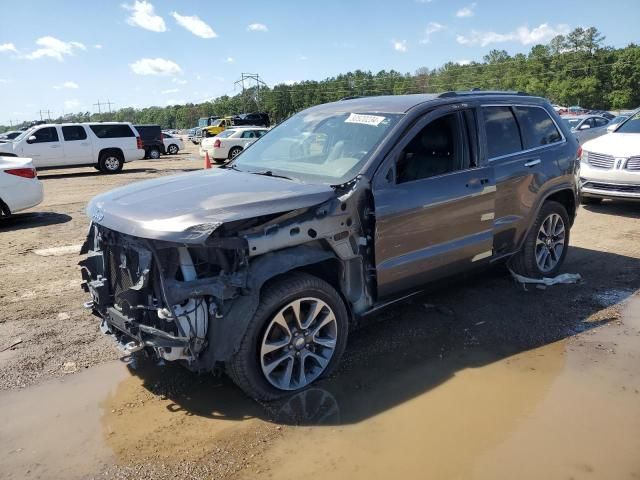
632 125
327 147
226 133
572 122
24 134
216 123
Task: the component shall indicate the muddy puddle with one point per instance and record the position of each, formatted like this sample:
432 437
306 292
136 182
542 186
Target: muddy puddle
407 407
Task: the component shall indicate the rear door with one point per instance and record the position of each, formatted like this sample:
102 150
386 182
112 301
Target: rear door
434 203
522 144
46 149
77 146
248 137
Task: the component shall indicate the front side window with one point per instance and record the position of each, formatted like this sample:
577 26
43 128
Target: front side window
631 125
503 135
226 133
44 135
538 129
73 133
438 149
601 122
111 131
291 149
249 134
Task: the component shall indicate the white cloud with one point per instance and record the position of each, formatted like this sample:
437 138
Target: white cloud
463 62
467 11
399 45
194 25
302 58
173 101
155 66
179 81
230 60
424 1
170 90
8 47
97 46
143 16
54 48
71 104
291 82
257 27
67 84
540 34
432 27
5 80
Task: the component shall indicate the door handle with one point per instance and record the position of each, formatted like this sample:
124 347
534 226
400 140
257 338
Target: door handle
477 182
54 146
532 163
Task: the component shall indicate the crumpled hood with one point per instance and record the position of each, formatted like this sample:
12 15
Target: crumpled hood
187 208
616 144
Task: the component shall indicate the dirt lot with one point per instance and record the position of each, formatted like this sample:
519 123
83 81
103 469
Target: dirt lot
478 379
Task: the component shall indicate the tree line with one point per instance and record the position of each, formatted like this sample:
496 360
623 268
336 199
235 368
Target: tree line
573 69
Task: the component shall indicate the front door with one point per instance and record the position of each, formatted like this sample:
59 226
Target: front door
77 147
434 203
45 149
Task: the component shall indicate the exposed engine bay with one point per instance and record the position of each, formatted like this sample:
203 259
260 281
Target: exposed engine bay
191 301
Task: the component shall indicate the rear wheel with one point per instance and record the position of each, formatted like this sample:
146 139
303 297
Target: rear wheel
153 154
111 162
296 336
546 245
590 201
234 152
173 149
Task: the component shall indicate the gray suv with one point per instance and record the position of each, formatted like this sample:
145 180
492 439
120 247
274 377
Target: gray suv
261 266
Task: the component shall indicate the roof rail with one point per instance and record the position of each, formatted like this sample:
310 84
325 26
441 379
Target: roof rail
353 97
481 92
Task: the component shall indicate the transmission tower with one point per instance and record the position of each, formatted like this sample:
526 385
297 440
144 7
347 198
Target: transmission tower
250 78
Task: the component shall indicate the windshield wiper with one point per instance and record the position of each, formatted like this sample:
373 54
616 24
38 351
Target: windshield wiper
232 166
269 173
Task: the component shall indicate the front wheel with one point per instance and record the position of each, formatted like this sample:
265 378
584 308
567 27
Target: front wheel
546 244
154 154
173 149
296 336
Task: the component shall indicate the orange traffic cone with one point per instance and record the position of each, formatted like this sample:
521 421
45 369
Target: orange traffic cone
207 160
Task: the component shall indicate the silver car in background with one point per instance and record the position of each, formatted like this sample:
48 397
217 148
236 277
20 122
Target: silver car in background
587 127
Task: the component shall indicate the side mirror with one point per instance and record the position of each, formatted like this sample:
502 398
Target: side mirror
32 139
584 127
611 128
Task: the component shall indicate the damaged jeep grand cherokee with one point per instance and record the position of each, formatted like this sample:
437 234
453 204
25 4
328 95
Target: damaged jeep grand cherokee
261 266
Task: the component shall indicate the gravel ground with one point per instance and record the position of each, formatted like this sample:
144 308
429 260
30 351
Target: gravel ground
486 316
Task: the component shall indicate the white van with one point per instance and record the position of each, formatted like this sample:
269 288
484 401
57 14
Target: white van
107 146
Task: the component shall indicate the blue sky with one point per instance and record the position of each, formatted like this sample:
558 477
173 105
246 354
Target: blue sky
65 56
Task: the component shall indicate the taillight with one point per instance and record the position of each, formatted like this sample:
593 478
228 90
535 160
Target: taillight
22 172
139 143
217 143
579 154
161 136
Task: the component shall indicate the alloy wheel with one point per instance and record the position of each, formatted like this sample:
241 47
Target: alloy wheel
112 163
550 242
298 343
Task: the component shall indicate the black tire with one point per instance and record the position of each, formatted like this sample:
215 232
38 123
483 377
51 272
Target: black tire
244 367
590 201
172 149
234 152
219 161
153 153
111 162
524 262
5 211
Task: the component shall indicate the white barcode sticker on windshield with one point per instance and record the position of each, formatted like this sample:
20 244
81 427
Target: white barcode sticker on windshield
374 120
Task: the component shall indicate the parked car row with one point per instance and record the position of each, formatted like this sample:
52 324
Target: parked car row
229 144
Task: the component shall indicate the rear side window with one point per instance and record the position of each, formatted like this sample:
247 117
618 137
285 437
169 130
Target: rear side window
73 133
537 127
112 131
47 134
503 135
601 122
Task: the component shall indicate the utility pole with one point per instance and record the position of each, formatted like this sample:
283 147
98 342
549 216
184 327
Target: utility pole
248 77
109 103
48 112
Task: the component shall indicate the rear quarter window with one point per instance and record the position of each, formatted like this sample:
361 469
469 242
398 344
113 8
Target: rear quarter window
112 131
503 135
74 132
538 129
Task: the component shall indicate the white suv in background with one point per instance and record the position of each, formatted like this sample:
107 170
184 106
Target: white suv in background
229 143
19 185
106 146
610 164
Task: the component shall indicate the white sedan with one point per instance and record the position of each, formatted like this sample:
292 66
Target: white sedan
19 185
172 143
229 143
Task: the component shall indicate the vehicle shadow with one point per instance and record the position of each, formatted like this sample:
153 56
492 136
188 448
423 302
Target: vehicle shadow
44 175
23 221
415 347
619 208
